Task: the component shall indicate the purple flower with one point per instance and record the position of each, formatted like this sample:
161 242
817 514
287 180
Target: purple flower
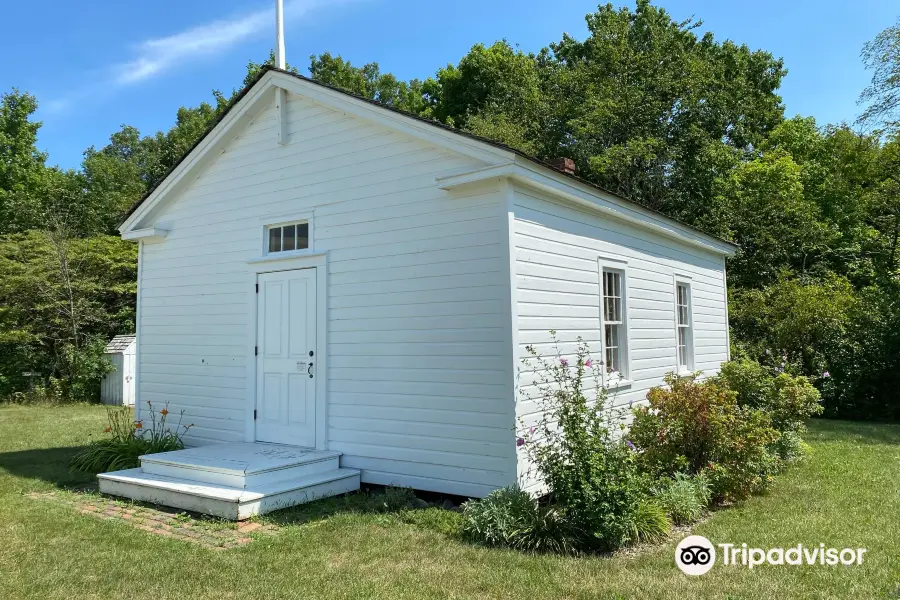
588 363
531 430
520 442
826 374
629 444
564 362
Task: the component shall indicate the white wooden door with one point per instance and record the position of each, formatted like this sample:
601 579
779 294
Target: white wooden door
285 360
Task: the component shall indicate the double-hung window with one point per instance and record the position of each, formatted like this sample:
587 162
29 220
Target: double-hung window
614 319
683 326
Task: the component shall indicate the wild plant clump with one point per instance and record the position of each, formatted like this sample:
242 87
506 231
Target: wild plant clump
511 518
128 440
684 498
589 471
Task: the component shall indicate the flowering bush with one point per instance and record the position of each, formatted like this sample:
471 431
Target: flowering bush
590 472
128 440
698 427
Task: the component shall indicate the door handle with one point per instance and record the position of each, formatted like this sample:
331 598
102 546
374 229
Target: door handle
309 370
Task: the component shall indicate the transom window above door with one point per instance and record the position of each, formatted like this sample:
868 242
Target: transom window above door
288 237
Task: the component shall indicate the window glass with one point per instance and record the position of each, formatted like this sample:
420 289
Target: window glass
683 325
285 238
614 322
288 238
302 236
275 239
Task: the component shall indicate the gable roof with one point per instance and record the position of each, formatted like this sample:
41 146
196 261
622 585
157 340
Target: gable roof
726 246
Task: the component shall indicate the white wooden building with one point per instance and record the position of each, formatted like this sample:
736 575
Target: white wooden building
323 272
117 386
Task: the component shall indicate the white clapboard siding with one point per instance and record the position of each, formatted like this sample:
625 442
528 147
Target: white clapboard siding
418 298
556 251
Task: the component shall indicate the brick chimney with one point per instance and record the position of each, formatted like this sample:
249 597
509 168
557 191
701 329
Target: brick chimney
566 165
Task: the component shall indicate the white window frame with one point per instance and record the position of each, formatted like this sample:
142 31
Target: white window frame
622 377
687 327
305 219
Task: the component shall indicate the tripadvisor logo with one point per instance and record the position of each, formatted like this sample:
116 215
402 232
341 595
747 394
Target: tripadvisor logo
696 555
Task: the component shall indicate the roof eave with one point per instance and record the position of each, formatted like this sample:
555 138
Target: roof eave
547 179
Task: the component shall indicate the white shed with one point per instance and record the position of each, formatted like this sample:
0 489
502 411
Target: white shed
324 272
117 387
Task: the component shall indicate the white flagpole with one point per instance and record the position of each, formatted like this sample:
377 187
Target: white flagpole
279 34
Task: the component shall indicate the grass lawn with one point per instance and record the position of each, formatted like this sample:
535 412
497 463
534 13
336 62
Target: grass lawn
846 494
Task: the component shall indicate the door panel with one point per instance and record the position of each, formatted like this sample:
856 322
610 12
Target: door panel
286 335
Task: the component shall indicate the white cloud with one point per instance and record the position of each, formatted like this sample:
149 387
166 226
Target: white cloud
155 57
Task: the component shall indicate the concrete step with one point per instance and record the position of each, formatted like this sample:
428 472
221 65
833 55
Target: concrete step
223 501
241 465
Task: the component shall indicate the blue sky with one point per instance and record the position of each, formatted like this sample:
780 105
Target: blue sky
100 64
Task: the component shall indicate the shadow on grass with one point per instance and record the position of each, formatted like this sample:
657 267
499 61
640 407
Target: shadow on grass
430 511
857 432
48 464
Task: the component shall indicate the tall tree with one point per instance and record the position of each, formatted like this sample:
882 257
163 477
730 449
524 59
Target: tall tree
61 298
22 168
369 82
882 57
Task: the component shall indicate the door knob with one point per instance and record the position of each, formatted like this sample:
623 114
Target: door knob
309 370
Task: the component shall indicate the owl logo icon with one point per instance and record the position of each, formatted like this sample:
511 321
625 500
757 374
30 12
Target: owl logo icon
695 555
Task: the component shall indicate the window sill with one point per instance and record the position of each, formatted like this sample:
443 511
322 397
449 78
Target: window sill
618 383
276 256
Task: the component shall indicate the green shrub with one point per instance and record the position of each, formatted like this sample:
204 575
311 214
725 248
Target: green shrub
698 427
129 440
650 524
684 498
511 518
590 473
790 447
788 400
49 392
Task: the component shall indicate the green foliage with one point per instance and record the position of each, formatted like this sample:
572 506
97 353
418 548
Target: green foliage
393 498
803 325
698 427
129 440
774 224
589 472
865 375
21 164
788 400
61 299
650 524
882 57
684 498
369 82
511 518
